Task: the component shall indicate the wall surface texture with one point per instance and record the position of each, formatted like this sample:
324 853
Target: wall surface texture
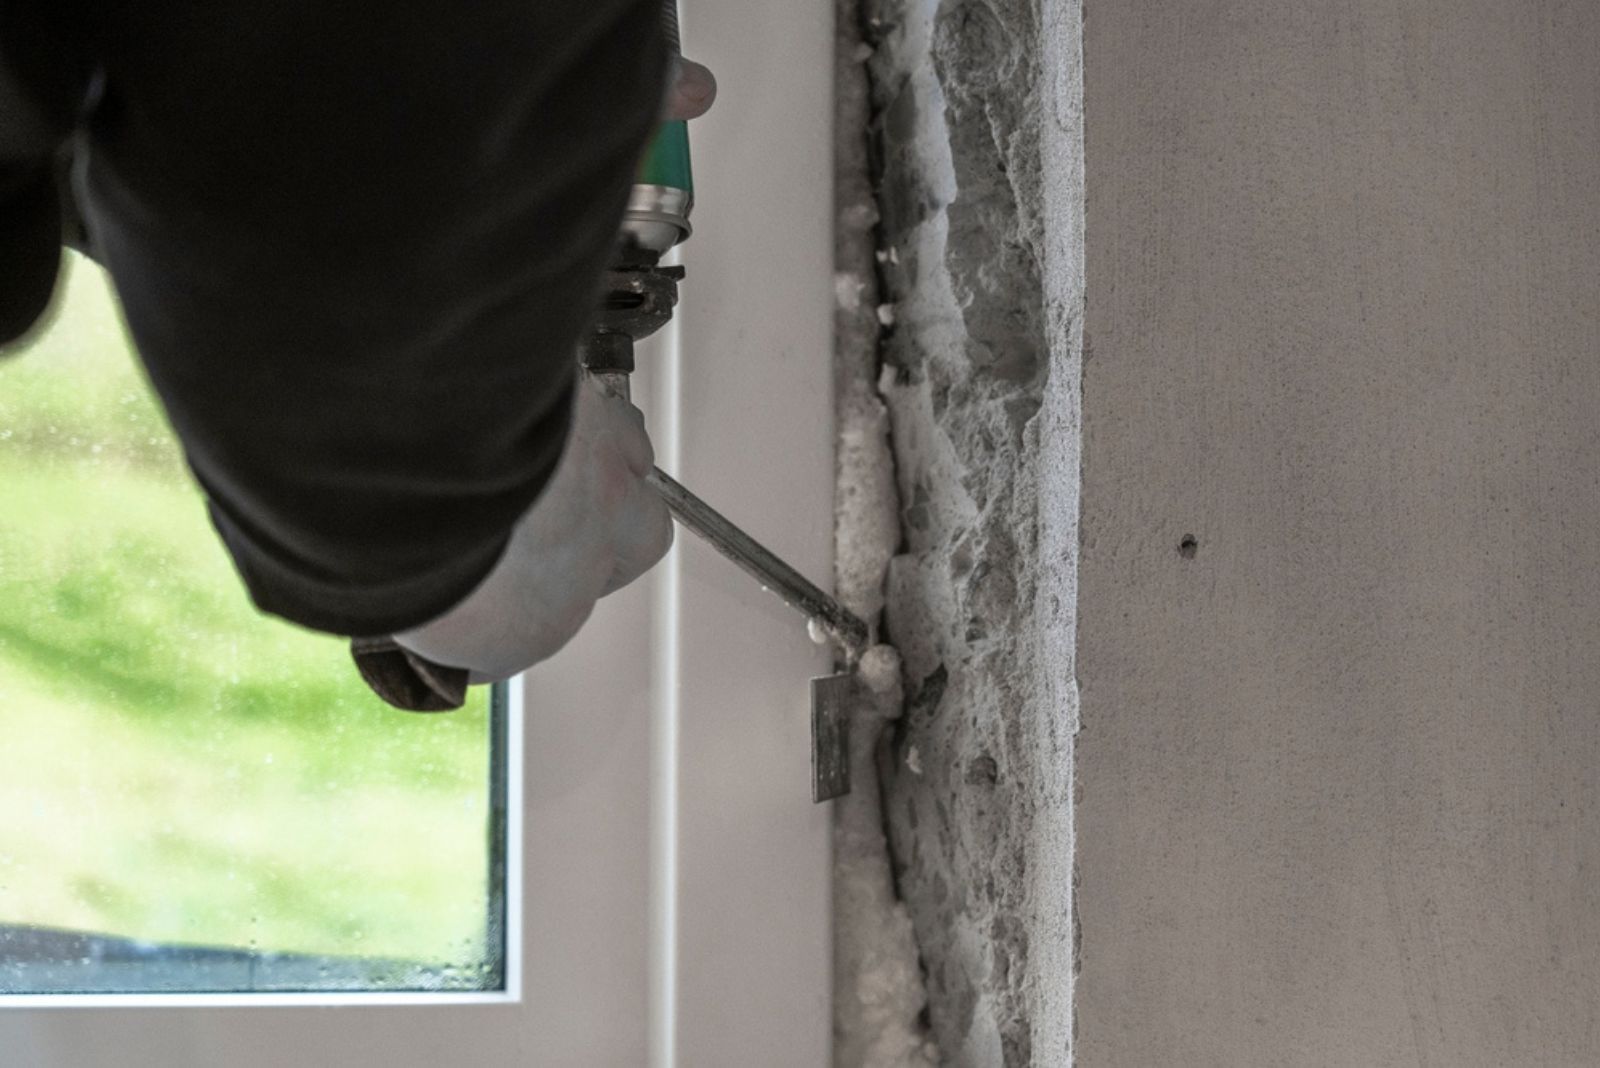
1339 770
977 135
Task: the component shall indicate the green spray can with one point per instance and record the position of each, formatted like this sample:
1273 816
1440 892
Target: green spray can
638 293
663 195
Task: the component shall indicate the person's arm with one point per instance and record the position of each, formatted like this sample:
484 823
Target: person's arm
355 252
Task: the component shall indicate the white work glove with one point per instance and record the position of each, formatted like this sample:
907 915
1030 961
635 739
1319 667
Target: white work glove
595 527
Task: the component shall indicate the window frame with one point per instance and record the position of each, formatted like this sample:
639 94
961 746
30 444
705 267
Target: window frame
673 875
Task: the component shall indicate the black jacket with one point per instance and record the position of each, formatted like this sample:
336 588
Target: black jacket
355 245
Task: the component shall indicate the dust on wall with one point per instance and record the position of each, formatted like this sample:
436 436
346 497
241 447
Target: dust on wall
975 124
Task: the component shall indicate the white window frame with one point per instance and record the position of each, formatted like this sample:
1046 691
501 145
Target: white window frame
669 901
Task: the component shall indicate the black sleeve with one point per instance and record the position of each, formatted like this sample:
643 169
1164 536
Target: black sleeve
38 91
356 245
30 245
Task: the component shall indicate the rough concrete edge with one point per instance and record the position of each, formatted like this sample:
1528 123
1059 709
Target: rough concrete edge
1053 876
879 995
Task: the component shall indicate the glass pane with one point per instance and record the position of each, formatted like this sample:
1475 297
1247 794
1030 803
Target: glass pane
194 796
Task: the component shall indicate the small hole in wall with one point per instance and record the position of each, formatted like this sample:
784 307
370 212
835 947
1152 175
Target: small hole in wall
1188 547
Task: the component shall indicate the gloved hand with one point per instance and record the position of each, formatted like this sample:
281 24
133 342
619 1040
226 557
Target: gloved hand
595 527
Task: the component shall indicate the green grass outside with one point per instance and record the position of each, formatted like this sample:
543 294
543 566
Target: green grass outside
173 766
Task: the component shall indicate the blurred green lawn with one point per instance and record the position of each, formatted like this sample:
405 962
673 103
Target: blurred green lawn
175 767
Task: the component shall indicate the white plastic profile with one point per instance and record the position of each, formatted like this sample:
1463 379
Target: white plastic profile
674 881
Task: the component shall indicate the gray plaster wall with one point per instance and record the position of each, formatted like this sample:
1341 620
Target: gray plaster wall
976 129
1340 754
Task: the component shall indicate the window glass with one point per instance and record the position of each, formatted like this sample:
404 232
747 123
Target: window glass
194 796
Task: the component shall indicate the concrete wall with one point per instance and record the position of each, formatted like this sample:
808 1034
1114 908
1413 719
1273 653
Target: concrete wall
1340 754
